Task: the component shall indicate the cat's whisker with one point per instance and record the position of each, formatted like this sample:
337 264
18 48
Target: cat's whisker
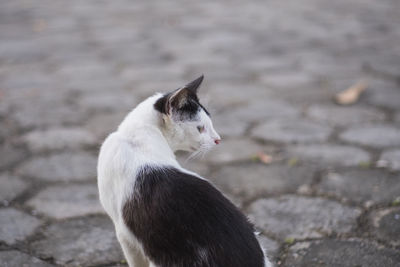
193 155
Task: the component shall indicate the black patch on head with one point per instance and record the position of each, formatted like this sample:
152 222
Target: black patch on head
188 111
161 103
182 220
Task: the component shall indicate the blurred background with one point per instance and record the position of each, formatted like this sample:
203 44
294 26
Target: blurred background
305 95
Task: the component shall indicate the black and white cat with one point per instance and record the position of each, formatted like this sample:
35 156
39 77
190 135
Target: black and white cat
165 215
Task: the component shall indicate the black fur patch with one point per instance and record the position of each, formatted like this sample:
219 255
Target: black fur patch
187 112
183 221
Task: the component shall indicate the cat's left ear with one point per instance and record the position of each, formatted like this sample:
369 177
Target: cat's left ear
184 96
194 85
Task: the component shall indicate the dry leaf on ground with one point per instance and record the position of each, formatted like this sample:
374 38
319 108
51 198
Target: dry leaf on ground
264 158
351 94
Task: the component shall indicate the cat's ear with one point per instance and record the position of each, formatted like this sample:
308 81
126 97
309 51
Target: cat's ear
194 85
184 97
177 100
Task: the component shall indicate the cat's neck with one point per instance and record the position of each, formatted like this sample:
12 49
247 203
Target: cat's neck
144 124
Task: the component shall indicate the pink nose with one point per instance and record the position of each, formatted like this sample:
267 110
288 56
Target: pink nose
217 141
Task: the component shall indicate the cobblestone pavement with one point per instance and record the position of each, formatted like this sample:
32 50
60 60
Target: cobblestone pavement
70 70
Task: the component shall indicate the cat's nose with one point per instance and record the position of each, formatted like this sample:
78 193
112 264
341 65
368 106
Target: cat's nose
217 141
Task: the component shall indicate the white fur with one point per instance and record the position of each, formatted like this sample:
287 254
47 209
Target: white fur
144 137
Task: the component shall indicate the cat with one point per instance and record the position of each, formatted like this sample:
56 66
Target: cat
165 215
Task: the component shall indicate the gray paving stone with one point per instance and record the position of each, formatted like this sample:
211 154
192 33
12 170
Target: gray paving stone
292 131
102 125
293 79
232 150
10 155
109 101
229 126
302 217
45 113
60 201
386 223
397 117
231 96
58 139
11 186
16 225
14 258
251 180
68 166
392 158
345 115
388 97
363 186
344 253
330 155
257 110
80 242
373 135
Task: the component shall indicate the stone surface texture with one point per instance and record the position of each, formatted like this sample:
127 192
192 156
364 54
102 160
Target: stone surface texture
302 217
14 258
319 180
16 225
11 187
80 242
292 131
373 135
392 159
65 201
69 166
363 186
346 253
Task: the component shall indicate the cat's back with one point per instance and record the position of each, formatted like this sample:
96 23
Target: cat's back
182 220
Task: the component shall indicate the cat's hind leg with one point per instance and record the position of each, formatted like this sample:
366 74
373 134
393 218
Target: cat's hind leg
133 254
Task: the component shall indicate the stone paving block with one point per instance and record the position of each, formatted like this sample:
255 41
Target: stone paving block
262 110
109 101
231 96
11 186
345 115
65 201
386 225
80 242
232 150
397 117
102 125
378 136
292 131
251 180
58 139
293 79
329 155
10 155
391 158
344 253
16 225
362 186
229 126
68 166
45 113
14 258
302 217
388 97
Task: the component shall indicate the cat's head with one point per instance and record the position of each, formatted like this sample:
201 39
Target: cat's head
186 123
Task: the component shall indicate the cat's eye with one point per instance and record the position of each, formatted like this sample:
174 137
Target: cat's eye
200 128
